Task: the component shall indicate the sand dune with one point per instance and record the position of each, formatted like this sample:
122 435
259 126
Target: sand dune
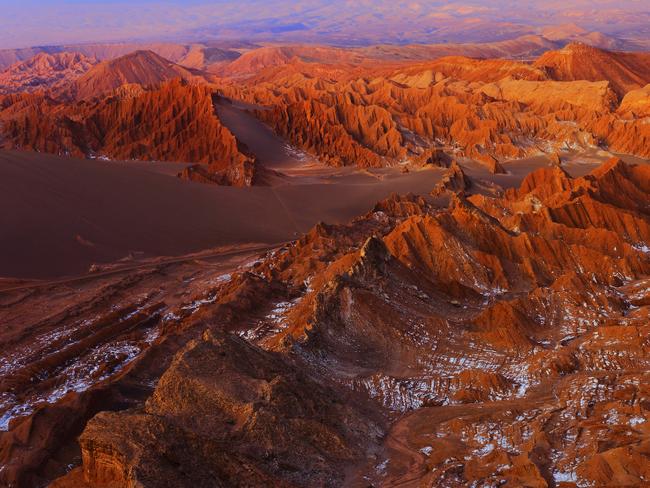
64 214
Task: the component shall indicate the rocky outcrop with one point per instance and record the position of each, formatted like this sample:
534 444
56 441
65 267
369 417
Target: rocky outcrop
140 67
231 415
578 61
470 328
487 110
454 181
340 135
434 157
174 121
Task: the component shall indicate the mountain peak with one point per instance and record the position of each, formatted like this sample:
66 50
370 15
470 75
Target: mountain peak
141 67
579 61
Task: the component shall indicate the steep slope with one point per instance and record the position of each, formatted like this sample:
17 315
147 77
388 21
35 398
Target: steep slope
499 338
487 110
139 67
174 121
578 61
45 71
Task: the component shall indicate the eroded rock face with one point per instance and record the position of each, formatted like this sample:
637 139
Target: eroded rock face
454 181
174 121
487 110
501 338
347 112
229 414
137 68
579 61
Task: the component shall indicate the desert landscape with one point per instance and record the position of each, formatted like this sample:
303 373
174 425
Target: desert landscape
404 247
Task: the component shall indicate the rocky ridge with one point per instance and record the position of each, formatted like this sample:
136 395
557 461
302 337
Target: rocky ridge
487 110
172 121
495 340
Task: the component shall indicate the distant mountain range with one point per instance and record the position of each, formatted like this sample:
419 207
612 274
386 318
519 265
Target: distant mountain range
335 22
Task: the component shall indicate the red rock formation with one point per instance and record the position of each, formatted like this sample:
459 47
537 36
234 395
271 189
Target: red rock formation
139 67
240 416
487 110
484 324
578 61
496 340
175 121
454 181
346 111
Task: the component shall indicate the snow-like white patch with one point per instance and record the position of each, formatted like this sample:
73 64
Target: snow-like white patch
82 375
224 278
13 411
308 285
152 335
274 322
170 316
642 247
613 418
381 467
567 477
79 376
196 304
485 450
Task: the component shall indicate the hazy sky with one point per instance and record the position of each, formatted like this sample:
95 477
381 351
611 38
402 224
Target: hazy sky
39 22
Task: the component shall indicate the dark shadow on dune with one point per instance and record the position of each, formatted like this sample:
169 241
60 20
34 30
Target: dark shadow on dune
52 207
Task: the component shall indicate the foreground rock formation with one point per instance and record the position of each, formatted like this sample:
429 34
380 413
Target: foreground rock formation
497 340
